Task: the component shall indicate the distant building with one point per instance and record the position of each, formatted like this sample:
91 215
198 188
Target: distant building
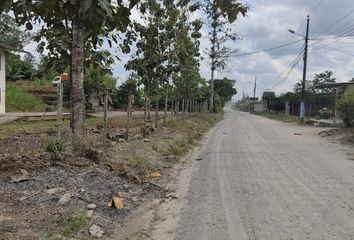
268 100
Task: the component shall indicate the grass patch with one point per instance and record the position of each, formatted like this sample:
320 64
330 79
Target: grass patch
141 164
69 225
20 127
278 116
40 85
18 99
178 147
190 131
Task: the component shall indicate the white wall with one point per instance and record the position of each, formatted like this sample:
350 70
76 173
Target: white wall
2 81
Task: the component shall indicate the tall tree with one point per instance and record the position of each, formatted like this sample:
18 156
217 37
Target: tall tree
224 88
221 14
322 78
78 24
11 35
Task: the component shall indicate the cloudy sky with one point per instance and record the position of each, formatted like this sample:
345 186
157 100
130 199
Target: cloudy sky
266 26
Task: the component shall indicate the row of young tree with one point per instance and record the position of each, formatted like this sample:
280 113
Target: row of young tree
165 41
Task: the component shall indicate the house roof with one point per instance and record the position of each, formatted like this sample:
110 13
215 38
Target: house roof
268 95
334 85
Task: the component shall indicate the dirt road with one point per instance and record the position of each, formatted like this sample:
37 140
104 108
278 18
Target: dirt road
256 179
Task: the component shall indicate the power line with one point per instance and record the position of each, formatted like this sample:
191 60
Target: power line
317 6
336 49
292 62
322 57
311 11
289 64
342 34
336 22
298 59
265 50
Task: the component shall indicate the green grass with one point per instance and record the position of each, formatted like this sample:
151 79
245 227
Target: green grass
19 127
42 85
20 100
278 116
178 147
69 225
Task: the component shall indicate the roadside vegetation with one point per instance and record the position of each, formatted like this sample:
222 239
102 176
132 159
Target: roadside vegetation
111 163
20 100
58 181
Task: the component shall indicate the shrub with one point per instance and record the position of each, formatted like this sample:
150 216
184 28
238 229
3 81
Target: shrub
346 108
141 164
325 113
55 148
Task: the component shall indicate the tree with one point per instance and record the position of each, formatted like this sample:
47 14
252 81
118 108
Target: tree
163 45
221 14
11 35
322 78
346 108
18 69
129 87
186 79
224 88
78 25
15 38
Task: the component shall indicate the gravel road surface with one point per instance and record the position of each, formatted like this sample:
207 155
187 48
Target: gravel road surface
262 179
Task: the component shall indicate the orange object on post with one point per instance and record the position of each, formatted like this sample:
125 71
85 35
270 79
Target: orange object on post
64 77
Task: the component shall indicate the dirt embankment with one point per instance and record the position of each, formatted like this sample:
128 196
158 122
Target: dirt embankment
42 198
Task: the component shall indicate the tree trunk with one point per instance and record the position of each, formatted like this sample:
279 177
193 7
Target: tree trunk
187 106
156 112
129 113
165 112
183 106
77 85
172 106
213 41
105 133
149 108
145 110
177 107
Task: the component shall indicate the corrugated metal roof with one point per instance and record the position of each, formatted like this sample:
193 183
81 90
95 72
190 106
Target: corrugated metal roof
334 85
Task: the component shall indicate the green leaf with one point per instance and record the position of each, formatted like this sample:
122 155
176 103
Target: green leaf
85 6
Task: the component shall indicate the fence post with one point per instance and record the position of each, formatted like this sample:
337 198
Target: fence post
59 109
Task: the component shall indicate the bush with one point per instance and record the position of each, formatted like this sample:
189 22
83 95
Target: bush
56 149
325 113
21 100
346 108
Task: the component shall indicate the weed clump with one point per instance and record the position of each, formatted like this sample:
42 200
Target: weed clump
55 148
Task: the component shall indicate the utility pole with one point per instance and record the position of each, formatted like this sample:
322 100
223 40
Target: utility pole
254 92
302 104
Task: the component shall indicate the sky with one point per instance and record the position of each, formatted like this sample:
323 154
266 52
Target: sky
265 26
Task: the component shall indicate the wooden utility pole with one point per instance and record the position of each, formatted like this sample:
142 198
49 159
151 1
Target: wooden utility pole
254 93
302 104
